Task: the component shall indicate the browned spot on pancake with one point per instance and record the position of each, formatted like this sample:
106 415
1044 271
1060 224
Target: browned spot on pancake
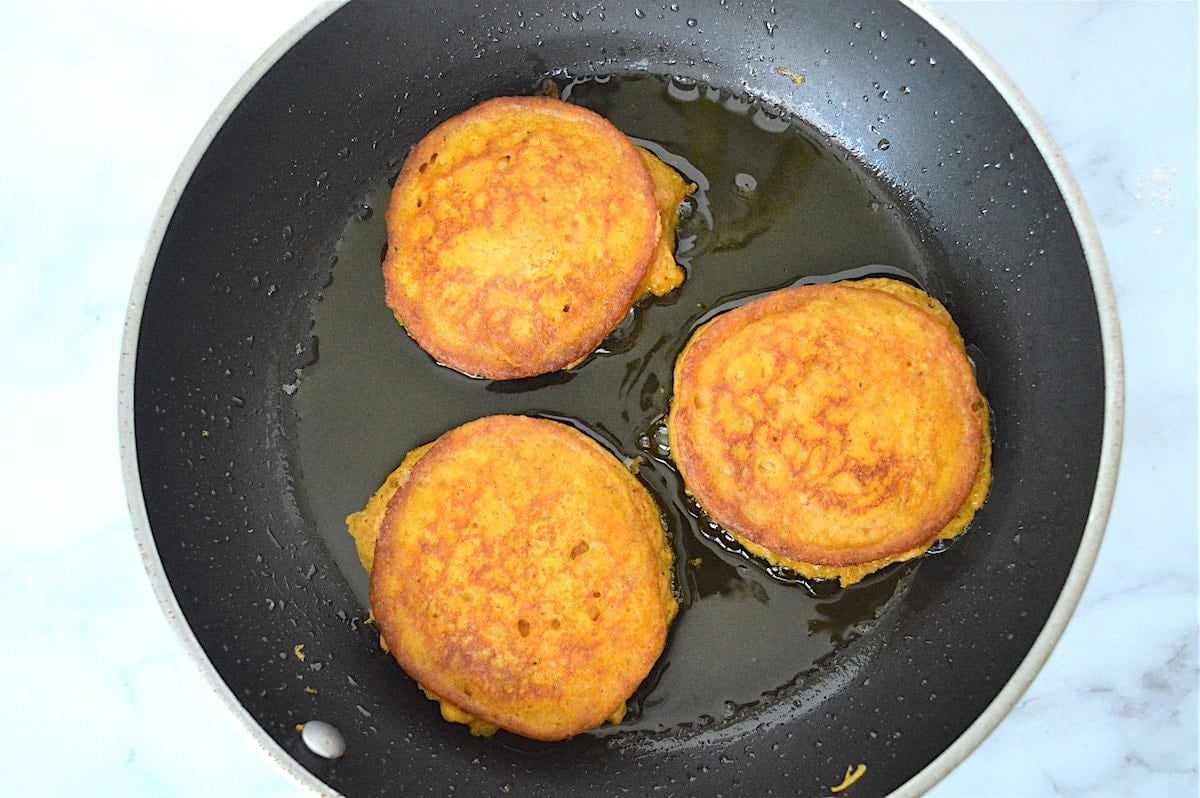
488 570
832 428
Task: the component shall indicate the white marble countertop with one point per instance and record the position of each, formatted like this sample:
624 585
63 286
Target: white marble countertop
100 103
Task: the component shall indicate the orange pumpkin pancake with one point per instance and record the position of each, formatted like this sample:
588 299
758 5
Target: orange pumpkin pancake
521 576
520 232
833 429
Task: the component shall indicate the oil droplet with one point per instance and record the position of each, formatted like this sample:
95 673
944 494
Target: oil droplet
770 121
691 22
683 89
639 13
884 144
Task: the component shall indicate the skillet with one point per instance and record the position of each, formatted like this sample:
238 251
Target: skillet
262 399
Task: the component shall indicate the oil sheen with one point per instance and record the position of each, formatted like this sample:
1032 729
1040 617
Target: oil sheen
777 204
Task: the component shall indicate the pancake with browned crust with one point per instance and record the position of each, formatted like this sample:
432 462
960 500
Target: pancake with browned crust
521 576
833 429
520 232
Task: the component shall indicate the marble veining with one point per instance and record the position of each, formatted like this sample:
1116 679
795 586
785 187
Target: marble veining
102 101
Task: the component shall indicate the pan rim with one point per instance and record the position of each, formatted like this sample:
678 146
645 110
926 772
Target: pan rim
167 601
1114 408
1064 606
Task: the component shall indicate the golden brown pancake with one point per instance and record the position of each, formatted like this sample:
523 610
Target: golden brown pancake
833 429
521 576
520 232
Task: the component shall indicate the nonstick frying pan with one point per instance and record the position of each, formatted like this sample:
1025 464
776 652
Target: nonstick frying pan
266 392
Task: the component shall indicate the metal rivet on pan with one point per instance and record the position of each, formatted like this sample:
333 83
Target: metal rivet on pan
323 739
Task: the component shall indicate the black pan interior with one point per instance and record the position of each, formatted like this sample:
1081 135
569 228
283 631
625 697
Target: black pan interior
238 498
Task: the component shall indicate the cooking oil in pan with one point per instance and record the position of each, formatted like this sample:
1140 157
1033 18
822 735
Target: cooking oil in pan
775 206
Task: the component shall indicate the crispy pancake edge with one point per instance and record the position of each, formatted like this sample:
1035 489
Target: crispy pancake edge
365 524
664 273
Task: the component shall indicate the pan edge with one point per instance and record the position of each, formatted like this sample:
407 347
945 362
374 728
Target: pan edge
1114 407
139 518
